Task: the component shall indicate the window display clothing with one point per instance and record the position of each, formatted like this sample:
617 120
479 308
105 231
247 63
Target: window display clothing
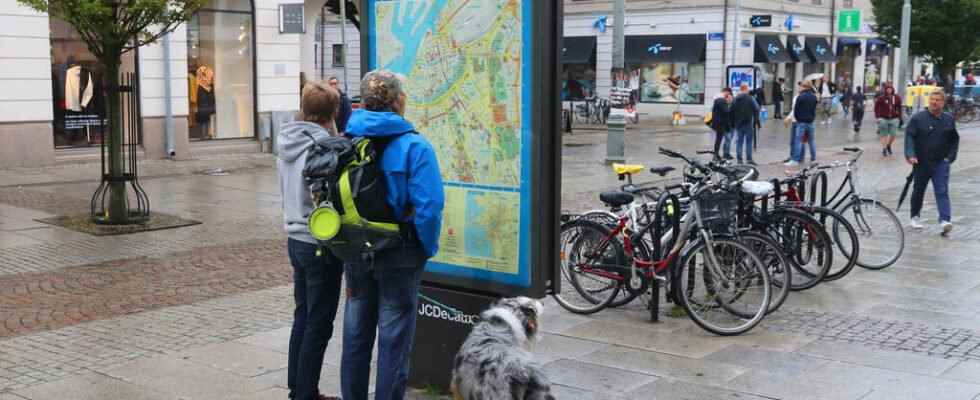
205 101
78 88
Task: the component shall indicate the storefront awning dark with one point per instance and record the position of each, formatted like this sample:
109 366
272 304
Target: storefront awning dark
843 43
769 49
665 48
796 50
819 50
877 48
578 50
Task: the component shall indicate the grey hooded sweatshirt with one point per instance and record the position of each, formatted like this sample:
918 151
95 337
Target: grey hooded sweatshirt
297 204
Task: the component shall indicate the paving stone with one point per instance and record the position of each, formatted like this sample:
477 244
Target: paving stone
754 358
898 384
671 389
885 359
553 347
237 358
593 377
183 378
642 338
91 386
966 371
665 365
566 392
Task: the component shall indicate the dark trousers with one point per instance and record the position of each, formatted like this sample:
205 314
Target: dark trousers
858 118
939 175
779 108
316 290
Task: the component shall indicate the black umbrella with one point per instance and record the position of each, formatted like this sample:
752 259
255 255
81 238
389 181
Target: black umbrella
905 190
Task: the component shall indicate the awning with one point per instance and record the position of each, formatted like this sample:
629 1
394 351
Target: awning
819 50
848 42
769 49
796 50
665 48
877 48
578 50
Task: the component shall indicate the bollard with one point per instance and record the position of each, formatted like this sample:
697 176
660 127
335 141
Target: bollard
615 145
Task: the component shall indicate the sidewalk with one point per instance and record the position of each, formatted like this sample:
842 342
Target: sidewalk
204 312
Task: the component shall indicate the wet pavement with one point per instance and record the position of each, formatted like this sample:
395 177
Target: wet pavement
204 311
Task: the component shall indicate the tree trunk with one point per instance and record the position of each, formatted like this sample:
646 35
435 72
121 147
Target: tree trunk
118 199
947 73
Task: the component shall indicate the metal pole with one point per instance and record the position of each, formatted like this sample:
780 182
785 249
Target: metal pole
168 125
619 37
343 39
736 31
903 66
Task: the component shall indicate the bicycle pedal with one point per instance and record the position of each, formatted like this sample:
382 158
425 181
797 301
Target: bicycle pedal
659 278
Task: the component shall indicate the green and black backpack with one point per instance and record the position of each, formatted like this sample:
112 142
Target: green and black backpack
352 217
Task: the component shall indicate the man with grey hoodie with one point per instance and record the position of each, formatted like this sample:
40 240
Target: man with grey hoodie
317 273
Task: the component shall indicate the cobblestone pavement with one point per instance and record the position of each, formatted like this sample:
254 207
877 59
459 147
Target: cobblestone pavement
204 311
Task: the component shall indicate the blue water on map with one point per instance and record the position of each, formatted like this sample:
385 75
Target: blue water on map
476 239
411 42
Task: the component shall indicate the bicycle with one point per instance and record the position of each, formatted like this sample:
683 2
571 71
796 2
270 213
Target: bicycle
966 110
872 220
729 271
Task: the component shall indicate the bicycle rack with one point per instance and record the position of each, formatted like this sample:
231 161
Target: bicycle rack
820 180
668 205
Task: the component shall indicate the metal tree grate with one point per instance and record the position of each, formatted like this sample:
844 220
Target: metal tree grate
132 124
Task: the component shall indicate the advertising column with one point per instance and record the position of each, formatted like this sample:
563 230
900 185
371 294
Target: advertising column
482 88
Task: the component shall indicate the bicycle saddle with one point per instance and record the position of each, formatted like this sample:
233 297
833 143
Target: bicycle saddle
626 169
616 199
662 171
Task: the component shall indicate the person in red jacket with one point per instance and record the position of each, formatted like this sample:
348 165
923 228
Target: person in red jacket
888 112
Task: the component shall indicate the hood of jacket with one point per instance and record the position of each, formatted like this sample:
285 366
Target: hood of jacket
294 138
364 123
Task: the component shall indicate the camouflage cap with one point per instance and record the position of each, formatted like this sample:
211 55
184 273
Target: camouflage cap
380 89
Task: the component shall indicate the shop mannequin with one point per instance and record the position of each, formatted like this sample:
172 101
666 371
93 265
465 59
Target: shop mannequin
205 102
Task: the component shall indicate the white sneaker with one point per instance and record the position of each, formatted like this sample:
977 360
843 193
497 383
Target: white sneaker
947 226
791 163
916 224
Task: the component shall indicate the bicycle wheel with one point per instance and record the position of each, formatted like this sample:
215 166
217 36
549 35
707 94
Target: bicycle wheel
588 256
879 230
805 241
845 239
728 299
777 264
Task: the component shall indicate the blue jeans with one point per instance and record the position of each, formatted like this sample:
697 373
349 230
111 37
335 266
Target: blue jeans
939 175
803 128
316 291
792 142
727 144
381 302
744 132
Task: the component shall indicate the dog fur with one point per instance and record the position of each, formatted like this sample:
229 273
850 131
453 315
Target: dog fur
495 361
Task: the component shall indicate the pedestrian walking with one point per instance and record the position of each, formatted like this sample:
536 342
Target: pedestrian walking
343 114
316 272
721 122
805 113
826 90
845 101
383 290
777 98
857 106
888 111
931 145
745 112
790 122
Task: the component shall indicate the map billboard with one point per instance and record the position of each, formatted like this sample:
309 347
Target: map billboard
481 84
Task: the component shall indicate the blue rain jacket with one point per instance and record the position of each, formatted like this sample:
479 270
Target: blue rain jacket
411 172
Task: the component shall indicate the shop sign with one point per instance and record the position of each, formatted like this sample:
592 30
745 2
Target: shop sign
760 20
746 43
291 18
657 48
716 35
849 21
790 23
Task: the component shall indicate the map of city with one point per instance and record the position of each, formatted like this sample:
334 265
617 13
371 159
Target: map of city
462 61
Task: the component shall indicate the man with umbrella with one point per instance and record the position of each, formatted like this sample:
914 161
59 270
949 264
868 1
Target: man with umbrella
931 144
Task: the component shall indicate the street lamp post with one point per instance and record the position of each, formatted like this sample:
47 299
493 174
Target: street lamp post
903 66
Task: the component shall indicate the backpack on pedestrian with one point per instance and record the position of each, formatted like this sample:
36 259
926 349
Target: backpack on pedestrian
352 217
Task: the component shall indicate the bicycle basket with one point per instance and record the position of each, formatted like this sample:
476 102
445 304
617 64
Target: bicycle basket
718 207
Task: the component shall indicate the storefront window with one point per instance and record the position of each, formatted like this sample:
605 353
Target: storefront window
77 88
220 71
578 82
845 64
671 82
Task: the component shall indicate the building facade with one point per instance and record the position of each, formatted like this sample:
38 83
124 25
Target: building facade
677 54
229 68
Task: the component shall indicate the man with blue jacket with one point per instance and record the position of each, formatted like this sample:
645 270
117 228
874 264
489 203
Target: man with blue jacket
382 294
